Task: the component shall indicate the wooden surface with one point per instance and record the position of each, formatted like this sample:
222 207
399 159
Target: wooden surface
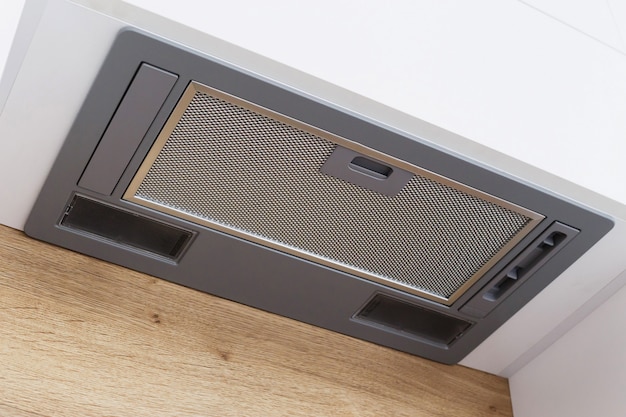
80 337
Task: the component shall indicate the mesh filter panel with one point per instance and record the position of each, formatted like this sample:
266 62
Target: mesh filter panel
231 166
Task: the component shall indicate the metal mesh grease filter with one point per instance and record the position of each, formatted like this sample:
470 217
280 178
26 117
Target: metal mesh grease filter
235 169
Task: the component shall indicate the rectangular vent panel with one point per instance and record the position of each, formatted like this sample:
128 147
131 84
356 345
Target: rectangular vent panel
125 228
401 317
233 166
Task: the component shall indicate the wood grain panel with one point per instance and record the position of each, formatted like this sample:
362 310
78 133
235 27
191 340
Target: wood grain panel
81 337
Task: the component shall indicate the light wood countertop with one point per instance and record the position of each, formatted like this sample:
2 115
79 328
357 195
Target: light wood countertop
81 337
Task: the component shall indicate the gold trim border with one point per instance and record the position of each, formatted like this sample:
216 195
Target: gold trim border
195 87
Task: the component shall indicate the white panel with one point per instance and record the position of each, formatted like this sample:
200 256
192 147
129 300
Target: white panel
581 375
592 17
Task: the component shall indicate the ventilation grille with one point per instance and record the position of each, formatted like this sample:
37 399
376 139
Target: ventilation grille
230 165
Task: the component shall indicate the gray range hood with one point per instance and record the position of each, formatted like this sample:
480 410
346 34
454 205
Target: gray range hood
187 168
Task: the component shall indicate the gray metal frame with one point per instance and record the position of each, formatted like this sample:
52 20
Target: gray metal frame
269 279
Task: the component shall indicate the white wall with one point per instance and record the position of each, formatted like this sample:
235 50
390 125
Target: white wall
10 11
583 374
8 24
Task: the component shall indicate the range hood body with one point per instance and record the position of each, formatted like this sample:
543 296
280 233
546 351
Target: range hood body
240 268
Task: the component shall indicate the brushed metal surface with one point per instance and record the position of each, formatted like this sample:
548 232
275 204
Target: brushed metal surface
233 166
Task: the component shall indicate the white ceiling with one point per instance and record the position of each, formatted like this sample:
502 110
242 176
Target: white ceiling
497 72
601 20
537 98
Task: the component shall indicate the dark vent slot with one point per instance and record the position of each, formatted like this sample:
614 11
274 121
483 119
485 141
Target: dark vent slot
372 168
401 317
126 228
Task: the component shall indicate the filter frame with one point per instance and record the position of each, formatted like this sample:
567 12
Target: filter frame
314 254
